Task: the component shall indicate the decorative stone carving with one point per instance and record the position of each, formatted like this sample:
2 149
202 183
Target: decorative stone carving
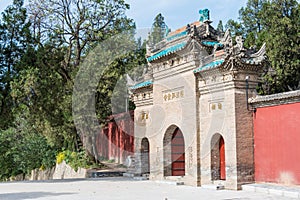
239 42
227 40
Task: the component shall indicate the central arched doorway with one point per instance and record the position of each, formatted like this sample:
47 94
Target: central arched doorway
174 152
145 158
218 164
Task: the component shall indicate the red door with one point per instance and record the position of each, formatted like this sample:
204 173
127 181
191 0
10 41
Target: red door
178 155
222 159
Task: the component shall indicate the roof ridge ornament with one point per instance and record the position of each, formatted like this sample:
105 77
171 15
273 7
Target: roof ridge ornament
227 42
204 15
260 53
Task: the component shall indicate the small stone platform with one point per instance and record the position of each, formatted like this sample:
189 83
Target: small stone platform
274 189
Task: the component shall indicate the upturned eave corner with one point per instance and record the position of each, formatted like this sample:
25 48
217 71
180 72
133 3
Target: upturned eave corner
228 57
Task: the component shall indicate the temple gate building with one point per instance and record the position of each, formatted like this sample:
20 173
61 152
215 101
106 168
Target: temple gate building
192 119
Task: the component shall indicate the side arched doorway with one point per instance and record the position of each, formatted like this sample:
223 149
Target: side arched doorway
145 158
174 152
218 164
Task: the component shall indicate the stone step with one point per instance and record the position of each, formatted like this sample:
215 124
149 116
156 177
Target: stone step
274 189
127 174
105 174
136 176
170 182
140 178
213 187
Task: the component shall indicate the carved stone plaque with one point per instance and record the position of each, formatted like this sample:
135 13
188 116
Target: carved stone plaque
173 94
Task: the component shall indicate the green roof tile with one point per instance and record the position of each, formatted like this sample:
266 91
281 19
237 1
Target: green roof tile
167 51
140 85
211 65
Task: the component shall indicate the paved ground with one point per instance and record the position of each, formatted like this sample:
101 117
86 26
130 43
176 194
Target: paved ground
118 189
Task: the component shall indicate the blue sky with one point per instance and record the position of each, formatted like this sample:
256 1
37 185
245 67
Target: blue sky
177 13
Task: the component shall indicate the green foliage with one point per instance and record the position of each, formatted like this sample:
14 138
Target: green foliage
281 23
112 88
275 22
74 159
236 28
158 30
14 40
220 27
39 64
44 91
251 15
22 150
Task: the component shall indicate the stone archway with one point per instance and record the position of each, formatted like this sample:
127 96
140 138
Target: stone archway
145 157
218 164
174 152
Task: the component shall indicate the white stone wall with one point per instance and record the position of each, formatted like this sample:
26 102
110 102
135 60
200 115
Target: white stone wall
64 171
174 105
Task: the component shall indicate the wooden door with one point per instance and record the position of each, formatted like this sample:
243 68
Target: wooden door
145 158
222 159
178 155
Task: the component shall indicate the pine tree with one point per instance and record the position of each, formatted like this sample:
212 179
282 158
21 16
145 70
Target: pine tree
14 40
281 23
158 30
220 27
251 18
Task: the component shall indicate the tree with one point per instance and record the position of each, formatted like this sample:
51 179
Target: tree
158 30
42 89
251 15
61 35
236 28
281 22
15 38
111 60
274 22
79 25
220 27
66 31
23 149
251 18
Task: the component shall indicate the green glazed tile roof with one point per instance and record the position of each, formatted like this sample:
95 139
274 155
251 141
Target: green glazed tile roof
140 85
167 51
173 37
209 66
212 43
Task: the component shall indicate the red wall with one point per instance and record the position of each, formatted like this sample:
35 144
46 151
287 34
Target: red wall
116 140
277 144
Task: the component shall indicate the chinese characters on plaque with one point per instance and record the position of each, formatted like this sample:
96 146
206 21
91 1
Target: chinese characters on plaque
173 95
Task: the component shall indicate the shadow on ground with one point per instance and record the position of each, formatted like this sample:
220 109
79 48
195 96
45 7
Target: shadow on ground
29 195
111 179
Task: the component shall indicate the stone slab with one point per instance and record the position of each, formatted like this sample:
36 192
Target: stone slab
140 178
274 189
213 187
171 182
